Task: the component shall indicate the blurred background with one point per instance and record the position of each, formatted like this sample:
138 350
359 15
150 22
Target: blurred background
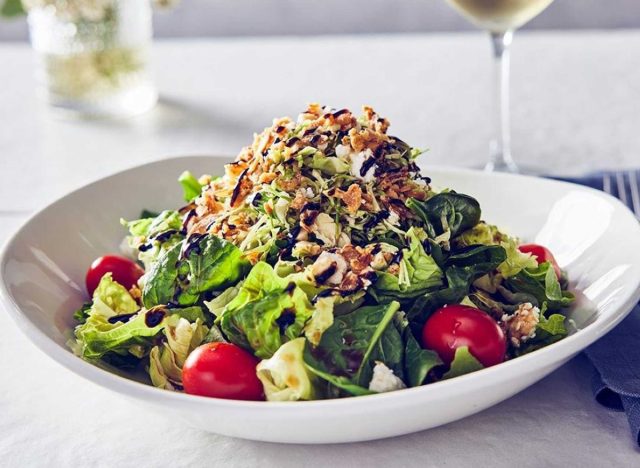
209 18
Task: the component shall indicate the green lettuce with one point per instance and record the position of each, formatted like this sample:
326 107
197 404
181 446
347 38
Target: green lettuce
111 298
98 336
321 319
481 233
266 311
284 376
166 361
419 273
486 234
190 186
150 237
463 363
114 323
516 261
264 324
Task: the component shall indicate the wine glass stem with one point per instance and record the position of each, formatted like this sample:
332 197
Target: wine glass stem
500 148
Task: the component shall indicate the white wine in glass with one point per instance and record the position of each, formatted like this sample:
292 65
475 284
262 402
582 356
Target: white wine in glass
500 18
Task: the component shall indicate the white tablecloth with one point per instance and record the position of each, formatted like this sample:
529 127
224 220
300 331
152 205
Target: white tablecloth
575 108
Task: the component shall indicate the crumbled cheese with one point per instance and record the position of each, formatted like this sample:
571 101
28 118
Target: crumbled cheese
342 151
329 260
357 160
309 193
384 380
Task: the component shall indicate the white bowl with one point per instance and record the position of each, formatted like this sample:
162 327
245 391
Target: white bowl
592 235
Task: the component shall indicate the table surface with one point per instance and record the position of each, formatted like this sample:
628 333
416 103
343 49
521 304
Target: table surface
575 109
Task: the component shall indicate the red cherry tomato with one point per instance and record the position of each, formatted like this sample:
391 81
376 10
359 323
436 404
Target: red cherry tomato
123 271
222 370
454 326
542 255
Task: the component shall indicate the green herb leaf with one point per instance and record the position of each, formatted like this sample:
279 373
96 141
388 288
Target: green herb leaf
348 348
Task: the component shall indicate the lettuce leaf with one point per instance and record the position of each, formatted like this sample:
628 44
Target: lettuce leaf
284 376
482 233
321 319
265 310
463 363
264 324
152 236
418 274
115 326
516 261
98 336
166 361
111 298
190 186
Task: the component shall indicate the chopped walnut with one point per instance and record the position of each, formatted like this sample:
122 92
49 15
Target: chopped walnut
352 197
521 325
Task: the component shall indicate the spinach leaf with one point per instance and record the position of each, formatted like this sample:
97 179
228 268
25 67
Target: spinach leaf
542 286
450 211
350 346
215 265
417 360
188 269
462 268
343 383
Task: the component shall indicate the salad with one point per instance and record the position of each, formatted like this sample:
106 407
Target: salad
321 264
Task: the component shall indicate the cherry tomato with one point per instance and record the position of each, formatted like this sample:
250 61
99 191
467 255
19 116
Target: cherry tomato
123 271
222 370
453 326
542 255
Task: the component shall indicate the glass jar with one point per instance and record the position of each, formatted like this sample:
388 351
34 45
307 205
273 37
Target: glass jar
93 55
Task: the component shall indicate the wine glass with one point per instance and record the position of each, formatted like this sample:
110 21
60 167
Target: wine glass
500 18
